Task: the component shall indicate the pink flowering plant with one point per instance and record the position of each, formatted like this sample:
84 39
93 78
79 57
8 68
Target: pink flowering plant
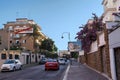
89 33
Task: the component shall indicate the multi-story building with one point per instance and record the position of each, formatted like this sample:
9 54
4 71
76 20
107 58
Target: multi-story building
110 7
111 17
23 34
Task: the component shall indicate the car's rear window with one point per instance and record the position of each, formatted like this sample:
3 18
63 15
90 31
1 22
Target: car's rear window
61 59
51 60
9 61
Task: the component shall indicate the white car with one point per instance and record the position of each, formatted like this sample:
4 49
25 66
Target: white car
11 65
61 61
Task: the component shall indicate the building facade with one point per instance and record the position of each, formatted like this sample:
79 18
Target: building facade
111 18
21 39
96 48
21 34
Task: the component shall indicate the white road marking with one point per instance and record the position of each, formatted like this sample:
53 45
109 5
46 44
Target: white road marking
66 73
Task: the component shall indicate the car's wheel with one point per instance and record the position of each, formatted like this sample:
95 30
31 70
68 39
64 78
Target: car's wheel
45 69
20 68
14 68
58 68
2 71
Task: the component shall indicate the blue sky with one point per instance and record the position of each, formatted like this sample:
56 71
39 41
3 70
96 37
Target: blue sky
54 16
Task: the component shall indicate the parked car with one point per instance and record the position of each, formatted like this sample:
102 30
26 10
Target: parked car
61 61
11 65
51 64
43 61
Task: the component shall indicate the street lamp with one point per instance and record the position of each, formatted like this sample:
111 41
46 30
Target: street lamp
68 46
66 33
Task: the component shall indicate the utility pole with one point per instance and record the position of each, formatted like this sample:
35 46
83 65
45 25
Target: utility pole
8 50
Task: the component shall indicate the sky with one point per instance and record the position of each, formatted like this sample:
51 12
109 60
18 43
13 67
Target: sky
56 17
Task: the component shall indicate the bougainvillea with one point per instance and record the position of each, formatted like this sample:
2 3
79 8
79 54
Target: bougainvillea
89 33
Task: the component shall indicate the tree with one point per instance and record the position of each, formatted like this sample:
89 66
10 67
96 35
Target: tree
48 44
55 48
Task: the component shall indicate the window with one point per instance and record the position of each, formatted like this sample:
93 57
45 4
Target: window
3 56
10 28
32 56
17 41
16 56
17 26
10 41
17 36
24 41
11 34
10 56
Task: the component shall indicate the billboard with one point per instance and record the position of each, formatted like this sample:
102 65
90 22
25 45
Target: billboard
74 46
22 30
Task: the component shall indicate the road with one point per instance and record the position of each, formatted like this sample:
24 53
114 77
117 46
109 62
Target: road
34 73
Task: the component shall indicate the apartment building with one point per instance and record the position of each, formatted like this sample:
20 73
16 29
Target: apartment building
22 38
20 34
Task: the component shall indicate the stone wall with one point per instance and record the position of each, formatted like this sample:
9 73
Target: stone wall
100 60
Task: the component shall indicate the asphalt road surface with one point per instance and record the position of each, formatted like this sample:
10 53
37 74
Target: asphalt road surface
34 73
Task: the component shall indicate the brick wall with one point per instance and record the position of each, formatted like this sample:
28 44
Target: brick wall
99 62
91 60
82 59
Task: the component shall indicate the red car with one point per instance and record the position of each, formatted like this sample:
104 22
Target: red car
51 64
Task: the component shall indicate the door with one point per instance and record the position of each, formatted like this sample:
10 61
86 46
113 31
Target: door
117 62
27 59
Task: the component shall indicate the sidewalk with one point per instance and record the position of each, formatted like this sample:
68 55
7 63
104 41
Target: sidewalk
78 71
29 65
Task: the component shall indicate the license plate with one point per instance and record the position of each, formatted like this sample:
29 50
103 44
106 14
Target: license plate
5 68
50 64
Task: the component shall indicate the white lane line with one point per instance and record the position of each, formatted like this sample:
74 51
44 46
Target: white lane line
66 73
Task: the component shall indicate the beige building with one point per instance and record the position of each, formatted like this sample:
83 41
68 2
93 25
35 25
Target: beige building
62 52
14 54
21 34
20 39
110 7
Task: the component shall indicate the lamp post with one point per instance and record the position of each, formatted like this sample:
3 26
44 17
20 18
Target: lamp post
66 33
69 41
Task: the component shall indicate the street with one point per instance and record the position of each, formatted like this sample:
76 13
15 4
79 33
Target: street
34 73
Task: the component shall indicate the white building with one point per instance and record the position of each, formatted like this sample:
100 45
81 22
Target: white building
110 7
